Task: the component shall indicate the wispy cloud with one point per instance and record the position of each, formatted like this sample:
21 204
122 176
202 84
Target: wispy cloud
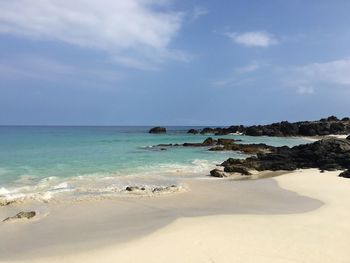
240 75
144 28
253 39
308 78
199 11
333 72
305 90
42 68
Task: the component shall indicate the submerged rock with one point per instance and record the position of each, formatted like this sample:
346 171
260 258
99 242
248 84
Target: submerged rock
244 148
4 202
21 215
207 142
157 130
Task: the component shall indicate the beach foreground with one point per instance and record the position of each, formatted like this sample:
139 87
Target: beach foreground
297 217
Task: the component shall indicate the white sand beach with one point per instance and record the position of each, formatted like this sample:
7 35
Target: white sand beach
297 217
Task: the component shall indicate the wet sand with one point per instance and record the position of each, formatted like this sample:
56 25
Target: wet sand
217 220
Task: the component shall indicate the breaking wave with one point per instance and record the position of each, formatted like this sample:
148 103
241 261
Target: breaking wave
147 180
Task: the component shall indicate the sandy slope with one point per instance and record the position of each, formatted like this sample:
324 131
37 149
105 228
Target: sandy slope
319 234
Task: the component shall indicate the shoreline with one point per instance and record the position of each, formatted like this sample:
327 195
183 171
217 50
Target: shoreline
110 229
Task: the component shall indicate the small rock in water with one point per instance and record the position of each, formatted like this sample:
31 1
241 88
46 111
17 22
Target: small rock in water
217 173
157 130
162 188
21 215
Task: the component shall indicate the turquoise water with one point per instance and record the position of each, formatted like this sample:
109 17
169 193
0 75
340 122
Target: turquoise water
34 156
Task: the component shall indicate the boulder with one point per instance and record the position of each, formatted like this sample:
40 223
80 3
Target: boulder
217 173
348 138
345 174
157 130
21 215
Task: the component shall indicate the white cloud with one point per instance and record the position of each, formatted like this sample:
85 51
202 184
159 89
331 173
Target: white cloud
142 27
253 39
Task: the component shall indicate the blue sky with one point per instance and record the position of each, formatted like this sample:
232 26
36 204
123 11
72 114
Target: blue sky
173 62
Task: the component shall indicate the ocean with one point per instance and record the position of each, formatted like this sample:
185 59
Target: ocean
45 163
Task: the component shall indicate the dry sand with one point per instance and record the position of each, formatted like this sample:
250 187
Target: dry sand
298 217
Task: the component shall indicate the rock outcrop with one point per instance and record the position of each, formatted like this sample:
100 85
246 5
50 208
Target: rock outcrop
193 131
327 154
224 144
157 130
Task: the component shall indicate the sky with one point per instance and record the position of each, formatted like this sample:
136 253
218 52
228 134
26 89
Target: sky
173 62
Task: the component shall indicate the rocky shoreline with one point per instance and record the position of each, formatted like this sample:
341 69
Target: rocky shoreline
322 127
327 155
